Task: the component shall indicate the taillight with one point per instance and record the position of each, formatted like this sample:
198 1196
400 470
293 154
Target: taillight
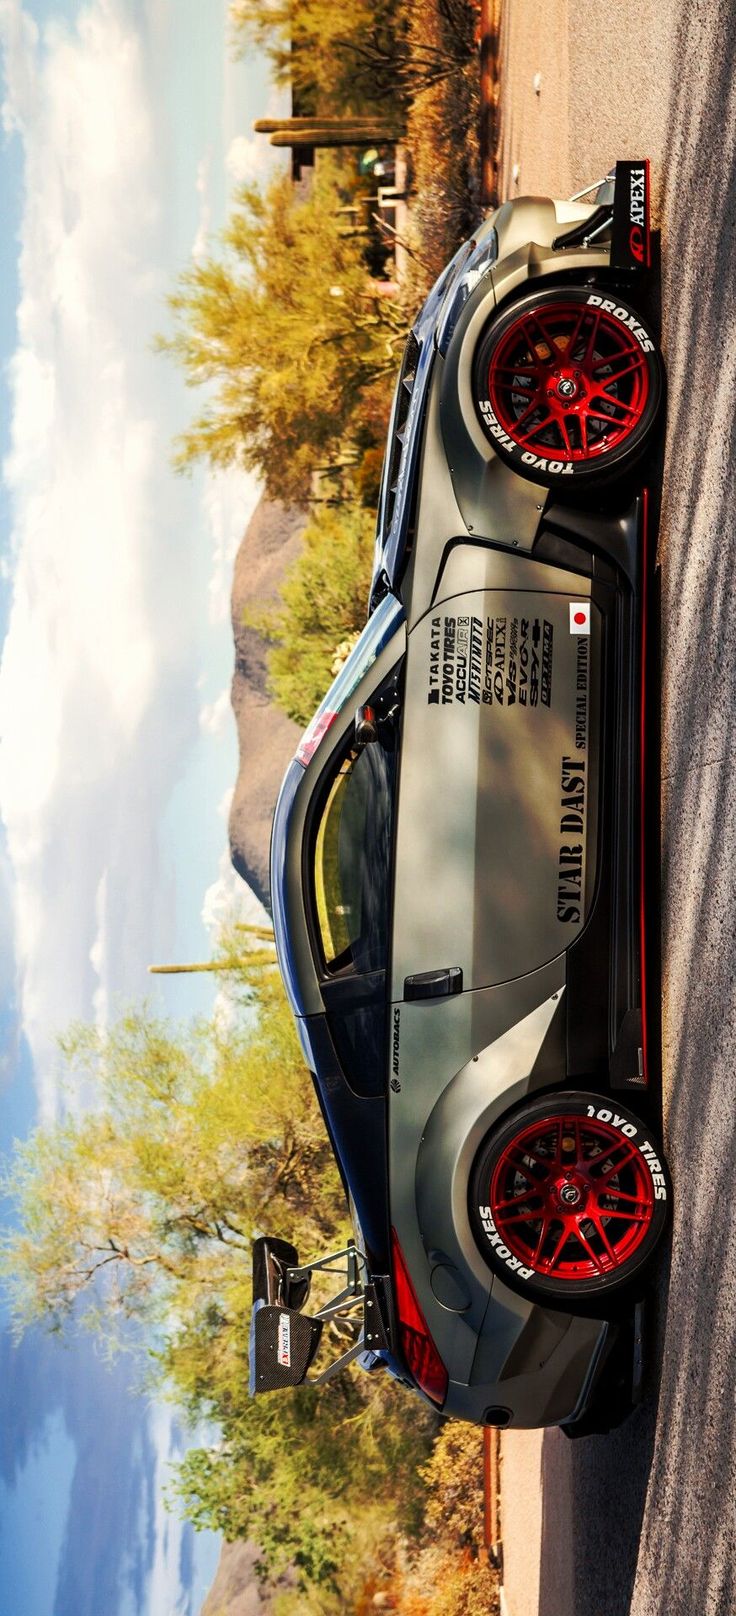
313 735
417 1346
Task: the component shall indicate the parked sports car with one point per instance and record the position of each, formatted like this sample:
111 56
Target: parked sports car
458 857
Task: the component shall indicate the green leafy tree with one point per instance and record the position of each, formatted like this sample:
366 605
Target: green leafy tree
143 1210
324 600
323 50
288 337
196 1140
357 58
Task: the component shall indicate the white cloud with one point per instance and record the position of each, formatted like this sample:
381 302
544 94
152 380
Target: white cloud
216 716
98 706
248 159
204 223
228 901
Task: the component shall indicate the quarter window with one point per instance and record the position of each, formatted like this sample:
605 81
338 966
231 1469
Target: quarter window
352 850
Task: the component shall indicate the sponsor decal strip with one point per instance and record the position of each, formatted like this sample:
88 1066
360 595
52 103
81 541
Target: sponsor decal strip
502 661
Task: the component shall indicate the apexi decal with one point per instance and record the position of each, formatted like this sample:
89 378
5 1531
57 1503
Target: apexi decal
637 214
558 467
572 824
604 1114
495 661
607 305
395 1043
283 1350
500 1249
630 243
503 661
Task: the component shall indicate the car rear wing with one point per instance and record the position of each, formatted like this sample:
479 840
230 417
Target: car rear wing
622 212
284 1339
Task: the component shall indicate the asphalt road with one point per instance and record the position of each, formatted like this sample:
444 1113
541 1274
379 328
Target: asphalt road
644 1521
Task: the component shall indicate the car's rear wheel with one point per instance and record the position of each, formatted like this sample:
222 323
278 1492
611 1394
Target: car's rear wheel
569 1198
568 385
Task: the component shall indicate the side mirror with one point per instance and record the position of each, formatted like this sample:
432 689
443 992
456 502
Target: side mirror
366 728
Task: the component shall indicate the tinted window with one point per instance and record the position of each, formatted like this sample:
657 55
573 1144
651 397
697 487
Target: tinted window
352 851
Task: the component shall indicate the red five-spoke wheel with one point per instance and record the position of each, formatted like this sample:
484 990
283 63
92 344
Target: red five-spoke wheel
569 1197
568 384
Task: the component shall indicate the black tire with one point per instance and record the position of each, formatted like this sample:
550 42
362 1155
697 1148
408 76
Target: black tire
591 364
623 1211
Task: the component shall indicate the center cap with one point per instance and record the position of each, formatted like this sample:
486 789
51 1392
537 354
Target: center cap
567 387
570 1195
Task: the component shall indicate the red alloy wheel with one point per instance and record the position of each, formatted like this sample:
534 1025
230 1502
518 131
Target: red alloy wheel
568 381
572 1198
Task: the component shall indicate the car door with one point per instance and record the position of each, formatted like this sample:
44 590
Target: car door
496 806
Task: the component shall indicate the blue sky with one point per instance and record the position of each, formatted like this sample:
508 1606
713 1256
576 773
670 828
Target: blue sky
126 124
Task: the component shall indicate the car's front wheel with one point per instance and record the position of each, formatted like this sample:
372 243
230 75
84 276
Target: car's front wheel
569 1198
568 385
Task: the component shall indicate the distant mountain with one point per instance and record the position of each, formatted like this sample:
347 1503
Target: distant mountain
266 737
235 1591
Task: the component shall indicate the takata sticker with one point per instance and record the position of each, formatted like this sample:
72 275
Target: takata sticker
579 616
284 1346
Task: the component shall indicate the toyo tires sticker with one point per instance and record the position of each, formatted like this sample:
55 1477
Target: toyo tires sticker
608 305
614 1120
559 468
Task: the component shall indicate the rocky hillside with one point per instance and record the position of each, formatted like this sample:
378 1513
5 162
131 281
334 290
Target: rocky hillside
235 1591
267 738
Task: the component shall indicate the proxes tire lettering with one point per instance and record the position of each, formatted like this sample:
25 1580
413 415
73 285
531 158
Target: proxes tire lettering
560 392
568 1198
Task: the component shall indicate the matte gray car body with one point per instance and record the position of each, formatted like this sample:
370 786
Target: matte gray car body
478 837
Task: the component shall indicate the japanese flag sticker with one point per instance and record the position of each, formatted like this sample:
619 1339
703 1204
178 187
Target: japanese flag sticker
579 616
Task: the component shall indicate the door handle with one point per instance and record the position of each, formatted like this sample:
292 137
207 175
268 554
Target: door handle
434 984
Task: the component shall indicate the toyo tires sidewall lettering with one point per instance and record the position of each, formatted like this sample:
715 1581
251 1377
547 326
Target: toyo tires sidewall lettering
511 1268
639 1136
546 468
